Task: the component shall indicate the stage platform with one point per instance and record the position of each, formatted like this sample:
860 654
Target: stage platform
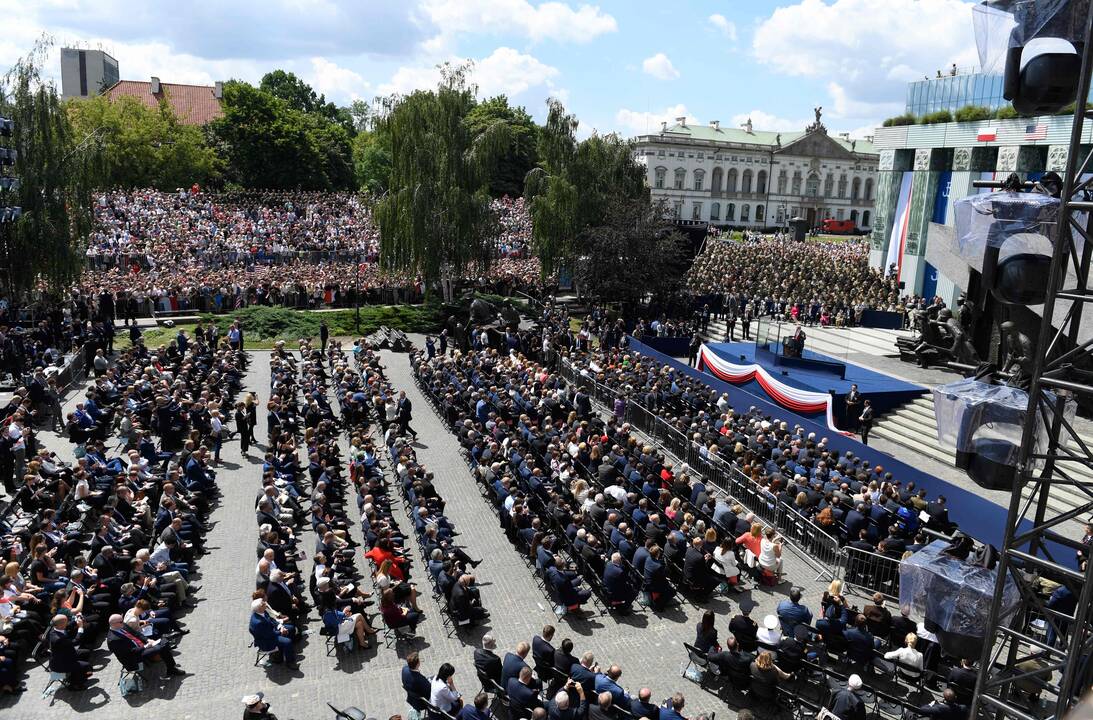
813 372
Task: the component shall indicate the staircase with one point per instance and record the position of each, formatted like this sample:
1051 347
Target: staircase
912 425
835 342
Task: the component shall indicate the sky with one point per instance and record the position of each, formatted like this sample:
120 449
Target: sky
619 66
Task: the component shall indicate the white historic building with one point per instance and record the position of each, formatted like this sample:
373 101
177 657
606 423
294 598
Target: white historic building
741 177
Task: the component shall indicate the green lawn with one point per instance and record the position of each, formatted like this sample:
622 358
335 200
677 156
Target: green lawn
264 326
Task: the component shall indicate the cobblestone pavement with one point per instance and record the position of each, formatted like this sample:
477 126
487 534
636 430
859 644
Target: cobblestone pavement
648 647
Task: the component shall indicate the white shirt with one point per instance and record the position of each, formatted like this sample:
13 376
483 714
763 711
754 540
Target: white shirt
907 656
443 696
727 561
216 426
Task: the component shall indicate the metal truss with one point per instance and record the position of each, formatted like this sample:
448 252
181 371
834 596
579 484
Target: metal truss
1017 657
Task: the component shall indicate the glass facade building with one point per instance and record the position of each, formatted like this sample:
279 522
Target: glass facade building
952 92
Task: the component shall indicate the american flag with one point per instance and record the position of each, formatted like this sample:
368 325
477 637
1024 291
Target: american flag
1036 132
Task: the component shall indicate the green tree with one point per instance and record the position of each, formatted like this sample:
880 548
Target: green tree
972 113
268 144
631 252
301 96
57 170
142 146
575 184
372 160
435 217
521 155
361 113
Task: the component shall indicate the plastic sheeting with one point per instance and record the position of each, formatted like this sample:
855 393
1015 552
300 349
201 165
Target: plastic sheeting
1002 24
953 597
1014 222
972 415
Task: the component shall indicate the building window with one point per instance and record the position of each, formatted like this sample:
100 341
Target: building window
855 188
730 180
842 186
759 213
699 178
681 175
745 183
715 211
782 182
701 156
715 180
812 185
761 182
868 189
865 219
660 153
781 215
677 210
696 211
730 211
854 217
744 213
829 185
839 214
659 174
797 182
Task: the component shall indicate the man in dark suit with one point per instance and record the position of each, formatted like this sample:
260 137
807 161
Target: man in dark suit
584 672
602 708
542 652
564 659
563 707
522 691
878 617
744 629
947 709
131 649
696 569
64 656
514 663
962 680
616 583
656 580
405 415
269 635
860 647
642 707
902 626
417 686
486 662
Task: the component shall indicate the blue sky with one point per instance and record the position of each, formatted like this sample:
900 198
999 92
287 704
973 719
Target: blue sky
619 66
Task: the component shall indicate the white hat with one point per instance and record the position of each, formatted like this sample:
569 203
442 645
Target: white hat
254 699
854 683
770 622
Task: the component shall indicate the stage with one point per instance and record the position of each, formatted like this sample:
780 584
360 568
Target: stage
809 385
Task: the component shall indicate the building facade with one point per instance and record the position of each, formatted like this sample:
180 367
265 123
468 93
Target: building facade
86 73
746 178
952 92
924 169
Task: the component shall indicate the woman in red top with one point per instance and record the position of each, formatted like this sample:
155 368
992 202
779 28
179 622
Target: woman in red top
382 551
395 615
752 542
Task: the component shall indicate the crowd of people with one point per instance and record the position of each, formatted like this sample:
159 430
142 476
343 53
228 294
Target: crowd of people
823 283
192 250
104 548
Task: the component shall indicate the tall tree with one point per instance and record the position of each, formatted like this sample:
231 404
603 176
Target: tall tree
57 170
268 144
575 185
435 217
521 155
301 96
372 160
142 146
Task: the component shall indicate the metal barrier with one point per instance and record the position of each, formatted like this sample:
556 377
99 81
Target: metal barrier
871 572
821 550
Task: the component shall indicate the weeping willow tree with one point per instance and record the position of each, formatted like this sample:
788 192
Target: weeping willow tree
436 218
575 187
57 171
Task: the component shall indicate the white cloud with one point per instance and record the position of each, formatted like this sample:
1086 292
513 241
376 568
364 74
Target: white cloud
548 21
660 67
503 71
761 120
865 51
338 84
636 122
726 26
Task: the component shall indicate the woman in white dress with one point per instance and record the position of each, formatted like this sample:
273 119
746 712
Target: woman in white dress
725 558
770 552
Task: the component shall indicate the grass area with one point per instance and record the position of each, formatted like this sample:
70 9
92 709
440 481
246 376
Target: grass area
264 326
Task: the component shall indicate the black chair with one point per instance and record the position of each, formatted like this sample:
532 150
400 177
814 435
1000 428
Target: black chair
765 695
432 712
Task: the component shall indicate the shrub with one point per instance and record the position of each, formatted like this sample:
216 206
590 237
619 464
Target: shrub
1006 112
972 113
905 119
274 323
941 116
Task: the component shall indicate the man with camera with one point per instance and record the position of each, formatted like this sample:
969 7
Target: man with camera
569 704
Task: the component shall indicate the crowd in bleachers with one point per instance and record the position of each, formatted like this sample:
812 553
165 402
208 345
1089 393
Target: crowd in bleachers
196 251
103 548
825 283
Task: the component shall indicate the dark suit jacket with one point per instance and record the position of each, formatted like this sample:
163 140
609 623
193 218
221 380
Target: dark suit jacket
563 661
128 653
745 631
279 599
542 652
487 663
510 668
523 696
585 677
62 652
644 710
417 687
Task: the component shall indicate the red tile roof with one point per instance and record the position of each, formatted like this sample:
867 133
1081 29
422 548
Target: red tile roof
193 104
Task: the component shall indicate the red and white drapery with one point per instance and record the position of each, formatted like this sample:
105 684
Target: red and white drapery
791 398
